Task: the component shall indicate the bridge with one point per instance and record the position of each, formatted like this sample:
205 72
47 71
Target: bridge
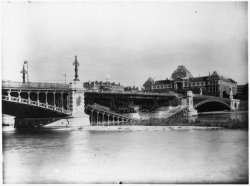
40 100
47 100
103 115
229 103
36 100
55 100
115 100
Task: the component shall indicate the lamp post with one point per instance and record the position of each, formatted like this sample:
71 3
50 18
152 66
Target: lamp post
23 71
26 62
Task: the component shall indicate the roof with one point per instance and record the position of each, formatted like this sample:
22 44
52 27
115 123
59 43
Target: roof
181 72
150 81
232 80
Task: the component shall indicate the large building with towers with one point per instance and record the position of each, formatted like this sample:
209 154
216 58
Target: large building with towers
182 80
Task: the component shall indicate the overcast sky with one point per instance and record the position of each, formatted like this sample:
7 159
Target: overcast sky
125 41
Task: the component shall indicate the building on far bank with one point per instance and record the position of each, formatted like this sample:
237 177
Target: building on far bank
182 80
242 92
131 89
148 84
100 86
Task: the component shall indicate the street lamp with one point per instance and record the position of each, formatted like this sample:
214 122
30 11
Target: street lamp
23 71
26 63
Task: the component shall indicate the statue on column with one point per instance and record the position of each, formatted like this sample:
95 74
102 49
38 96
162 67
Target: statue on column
76 64
200 91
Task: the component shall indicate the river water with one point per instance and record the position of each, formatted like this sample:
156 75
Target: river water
63 155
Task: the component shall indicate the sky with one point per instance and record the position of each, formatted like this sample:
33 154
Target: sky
125 42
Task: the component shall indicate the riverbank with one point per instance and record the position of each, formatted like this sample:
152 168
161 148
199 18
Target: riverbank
222 112
145 128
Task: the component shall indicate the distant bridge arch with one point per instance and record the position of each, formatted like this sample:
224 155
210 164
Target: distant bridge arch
211 101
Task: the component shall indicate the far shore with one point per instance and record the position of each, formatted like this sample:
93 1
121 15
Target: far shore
145 128
222 112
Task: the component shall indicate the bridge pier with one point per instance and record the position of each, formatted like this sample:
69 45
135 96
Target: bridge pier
191 111
234 104
19 96
9 96
77 99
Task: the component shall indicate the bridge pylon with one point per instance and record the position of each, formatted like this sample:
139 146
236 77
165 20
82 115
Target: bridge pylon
77 94
77 99
190 102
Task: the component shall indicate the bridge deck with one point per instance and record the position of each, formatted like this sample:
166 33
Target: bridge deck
36 104
33 85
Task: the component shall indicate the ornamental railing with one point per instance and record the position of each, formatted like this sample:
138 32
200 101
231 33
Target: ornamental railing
97 108
211 97
176 111
39 85
134 93
36 103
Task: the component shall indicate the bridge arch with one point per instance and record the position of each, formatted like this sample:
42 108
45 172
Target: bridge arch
212 101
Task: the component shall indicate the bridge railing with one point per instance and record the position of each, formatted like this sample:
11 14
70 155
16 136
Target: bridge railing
211 97
95 106
35 103
134 93
101 107
13 84
176 111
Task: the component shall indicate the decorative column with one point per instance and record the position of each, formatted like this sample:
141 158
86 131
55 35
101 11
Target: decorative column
108 119
103 117
113 121
62 100
46 98
76 64
38 98
9 96
29 96
19 96
77 100
54 102
97 114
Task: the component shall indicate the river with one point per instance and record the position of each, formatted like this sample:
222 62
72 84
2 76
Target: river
63 155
